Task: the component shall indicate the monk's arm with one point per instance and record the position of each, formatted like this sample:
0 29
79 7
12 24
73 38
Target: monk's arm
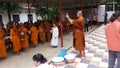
69 19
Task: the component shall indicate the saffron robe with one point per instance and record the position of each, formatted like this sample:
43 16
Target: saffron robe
3 52
25 41
34 35
48 33
78 34
42 33
15 39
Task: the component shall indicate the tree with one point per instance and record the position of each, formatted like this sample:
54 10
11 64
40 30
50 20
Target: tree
53 12
9 7
41 11
47 12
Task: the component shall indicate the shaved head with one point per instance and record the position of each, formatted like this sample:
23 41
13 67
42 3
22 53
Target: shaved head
79 13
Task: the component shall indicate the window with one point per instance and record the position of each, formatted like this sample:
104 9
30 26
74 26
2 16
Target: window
16 18
30 17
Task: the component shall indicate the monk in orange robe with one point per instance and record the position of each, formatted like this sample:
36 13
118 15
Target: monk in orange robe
3 52
28 25
8 27
78 33
34 35
24 37
15 39
42 33
48 33
67 29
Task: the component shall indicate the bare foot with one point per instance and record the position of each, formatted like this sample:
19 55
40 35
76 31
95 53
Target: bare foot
26 50
18 53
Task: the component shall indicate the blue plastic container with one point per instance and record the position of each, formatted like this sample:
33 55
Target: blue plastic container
62 52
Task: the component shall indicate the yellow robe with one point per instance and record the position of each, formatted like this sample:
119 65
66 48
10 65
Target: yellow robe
48 33
34 35
42 33
3 52
24 42
78 34
15 40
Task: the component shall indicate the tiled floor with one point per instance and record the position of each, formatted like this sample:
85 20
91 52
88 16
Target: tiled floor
96 50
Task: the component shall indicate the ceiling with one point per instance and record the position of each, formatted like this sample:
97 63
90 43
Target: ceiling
65 3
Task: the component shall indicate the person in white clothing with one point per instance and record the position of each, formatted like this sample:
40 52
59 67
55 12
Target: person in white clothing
40 61
55 34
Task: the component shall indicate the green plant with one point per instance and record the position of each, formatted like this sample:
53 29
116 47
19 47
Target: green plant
47 12
9 7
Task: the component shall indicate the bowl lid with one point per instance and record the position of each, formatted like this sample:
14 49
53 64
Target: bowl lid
70 56
57 59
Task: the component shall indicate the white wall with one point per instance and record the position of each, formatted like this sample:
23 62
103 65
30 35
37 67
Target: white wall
101 13
4 17
109 13
23 17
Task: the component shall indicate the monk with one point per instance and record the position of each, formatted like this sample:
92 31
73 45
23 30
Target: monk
28 25
42 33
15 39
24 37
37 24
67 29
48 33
8 41
3 52
34 35
8 27
78 33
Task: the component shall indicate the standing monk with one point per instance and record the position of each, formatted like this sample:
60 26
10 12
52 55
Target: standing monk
78 33
42 33
3 52
67 29
34 35
15 39
48 33
24 37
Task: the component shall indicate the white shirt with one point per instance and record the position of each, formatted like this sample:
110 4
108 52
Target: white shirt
55 32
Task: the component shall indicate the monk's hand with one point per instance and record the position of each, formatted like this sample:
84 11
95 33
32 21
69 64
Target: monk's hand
67 16
66 13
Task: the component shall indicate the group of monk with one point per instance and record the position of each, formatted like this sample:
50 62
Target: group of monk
22 34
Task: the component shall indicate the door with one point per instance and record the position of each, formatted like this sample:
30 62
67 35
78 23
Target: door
30 17
1 19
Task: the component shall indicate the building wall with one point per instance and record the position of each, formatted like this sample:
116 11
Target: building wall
22 15
4 17
101 13
109 13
